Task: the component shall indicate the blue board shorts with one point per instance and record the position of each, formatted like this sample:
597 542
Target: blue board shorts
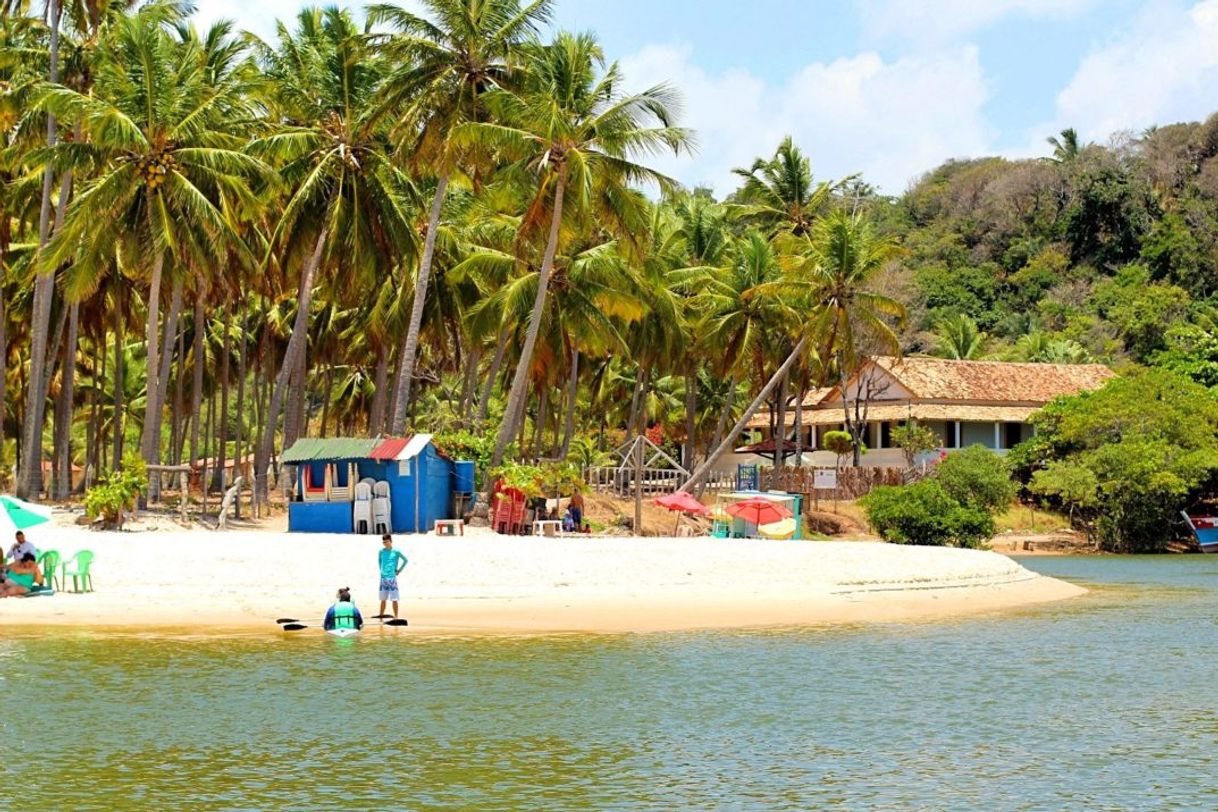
389 589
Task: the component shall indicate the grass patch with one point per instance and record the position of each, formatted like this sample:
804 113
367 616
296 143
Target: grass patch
1020 518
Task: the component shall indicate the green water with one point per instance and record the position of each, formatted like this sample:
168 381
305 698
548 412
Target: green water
1104 702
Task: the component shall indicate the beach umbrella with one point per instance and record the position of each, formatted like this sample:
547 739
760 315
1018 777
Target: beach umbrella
680 502
758 511
16 514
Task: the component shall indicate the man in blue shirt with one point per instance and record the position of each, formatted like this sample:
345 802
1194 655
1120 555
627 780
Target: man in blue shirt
391 563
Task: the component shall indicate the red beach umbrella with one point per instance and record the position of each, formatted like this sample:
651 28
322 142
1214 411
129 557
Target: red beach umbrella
681 501
758 511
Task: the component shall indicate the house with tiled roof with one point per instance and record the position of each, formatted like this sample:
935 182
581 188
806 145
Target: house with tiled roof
965 403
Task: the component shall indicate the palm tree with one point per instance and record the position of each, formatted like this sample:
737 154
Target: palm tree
832 279
1067 147
780 192
959 339
29 479
570 129
448 62
155 136
349 206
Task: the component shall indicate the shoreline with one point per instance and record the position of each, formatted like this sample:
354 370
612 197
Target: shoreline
200 582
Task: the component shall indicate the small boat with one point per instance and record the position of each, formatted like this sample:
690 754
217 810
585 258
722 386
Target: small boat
1205 530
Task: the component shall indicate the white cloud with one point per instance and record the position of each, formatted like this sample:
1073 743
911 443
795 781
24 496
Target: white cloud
889 120
933 22
1162 70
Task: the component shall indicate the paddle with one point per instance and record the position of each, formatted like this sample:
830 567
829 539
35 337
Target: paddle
297 620
291 625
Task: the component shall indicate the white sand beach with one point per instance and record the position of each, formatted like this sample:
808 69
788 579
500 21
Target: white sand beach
196 580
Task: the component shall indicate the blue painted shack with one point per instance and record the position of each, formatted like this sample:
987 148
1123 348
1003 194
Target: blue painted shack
419 479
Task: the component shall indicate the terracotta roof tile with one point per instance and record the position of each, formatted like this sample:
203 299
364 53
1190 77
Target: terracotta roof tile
943 379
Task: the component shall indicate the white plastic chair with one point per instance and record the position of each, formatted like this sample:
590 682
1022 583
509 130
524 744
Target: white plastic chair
361 509
382 509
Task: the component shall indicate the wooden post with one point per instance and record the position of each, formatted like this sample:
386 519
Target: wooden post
638 487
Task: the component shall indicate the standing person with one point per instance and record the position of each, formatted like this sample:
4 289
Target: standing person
391 563
343 614
21 548
577 508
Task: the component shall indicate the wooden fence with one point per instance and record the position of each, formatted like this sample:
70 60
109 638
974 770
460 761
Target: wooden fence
851 482
655 480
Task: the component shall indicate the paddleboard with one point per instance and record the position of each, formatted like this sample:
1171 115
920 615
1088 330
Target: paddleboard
343 632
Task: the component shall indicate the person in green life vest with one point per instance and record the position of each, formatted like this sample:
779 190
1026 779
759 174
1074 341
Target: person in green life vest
343 614
391 563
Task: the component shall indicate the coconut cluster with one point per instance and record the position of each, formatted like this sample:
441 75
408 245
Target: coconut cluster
155 167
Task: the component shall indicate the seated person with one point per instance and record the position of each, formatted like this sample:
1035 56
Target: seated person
22 577
343 614
20 548
568 521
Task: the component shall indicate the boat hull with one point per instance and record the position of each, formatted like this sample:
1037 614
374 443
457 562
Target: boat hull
1205 531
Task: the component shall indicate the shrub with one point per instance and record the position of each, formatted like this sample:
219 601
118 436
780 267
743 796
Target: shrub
114 497
925 513
977 477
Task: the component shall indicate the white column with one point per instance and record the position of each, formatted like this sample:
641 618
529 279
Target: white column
956 424
997 436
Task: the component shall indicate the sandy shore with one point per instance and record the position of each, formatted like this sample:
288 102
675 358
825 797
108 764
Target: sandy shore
194 580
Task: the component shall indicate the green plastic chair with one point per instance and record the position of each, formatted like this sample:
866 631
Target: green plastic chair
48 562
77 568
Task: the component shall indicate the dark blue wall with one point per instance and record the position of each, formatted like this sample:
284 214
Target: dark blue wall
434 496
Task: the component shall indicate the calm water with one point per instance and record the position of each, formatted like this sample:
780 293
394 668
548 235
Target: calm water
1106 702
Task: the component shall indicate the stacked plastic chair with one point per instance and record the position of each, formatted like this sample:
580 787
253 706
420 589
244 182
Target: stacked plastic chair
382 510
361 508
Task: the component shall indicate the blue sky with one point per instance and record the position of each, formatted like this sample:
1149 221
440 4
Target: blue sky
891 88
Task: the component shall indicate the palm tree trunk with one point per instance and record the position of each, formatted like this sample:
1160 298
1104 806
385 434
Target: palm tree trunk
691 417
473 357
151 437
196 385
411 345
539 425
376 418
219 481
295 345
179 402
799 422
728 401
29 477
715 454
117 423
780 431
572 397
93 444
484 402
166 364
634 401
3 353
327 396
239 452
521 379
67 400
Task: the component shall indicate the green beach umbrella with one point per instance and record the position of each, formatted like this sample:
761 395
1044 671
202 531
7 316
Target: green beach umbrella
16 514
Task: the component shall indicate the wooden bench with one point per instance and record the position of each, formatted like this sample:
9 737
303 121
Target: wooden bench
450 527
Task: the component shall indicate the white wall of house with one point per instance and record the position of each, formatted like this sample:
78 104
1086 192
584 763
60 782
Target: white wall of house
1000 437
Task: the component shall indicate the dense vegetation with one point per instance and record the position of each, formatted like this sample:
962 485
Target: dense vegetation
213 244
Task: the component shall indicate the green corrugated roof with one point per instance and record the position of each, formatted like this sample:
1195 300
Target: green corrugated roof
331 448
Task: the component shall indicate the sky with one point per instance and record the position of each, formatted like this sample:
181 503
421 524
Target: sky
889 88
